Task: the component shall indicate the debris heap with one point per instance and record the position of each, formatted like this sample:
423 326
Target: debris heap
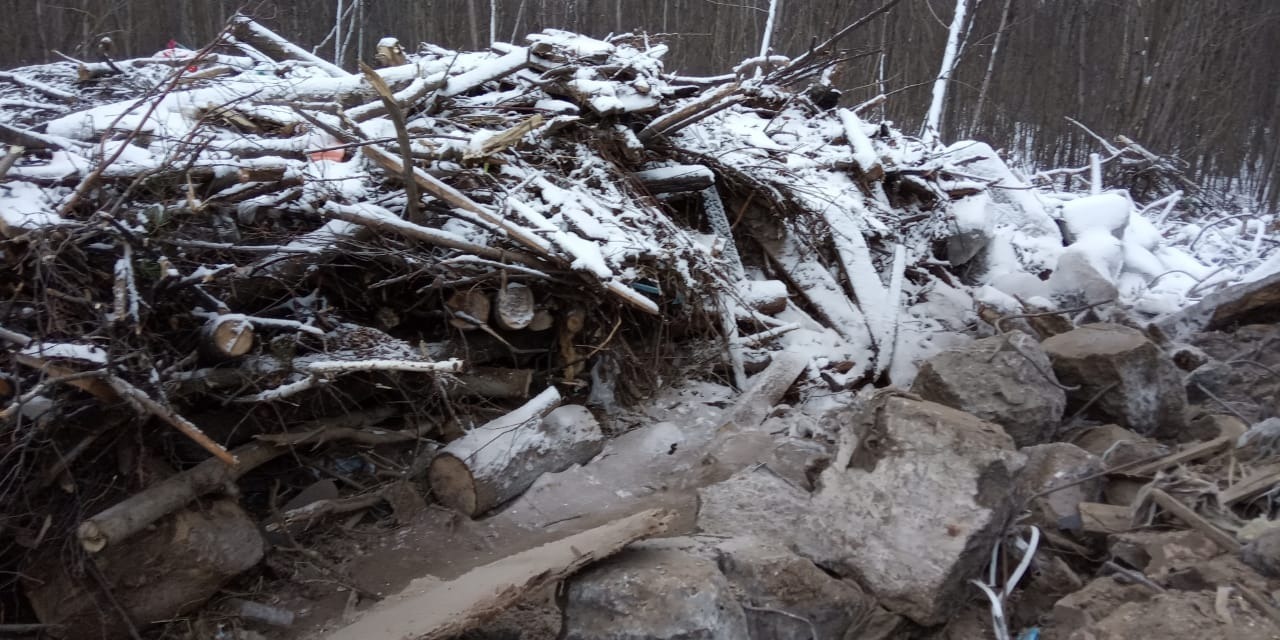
243 266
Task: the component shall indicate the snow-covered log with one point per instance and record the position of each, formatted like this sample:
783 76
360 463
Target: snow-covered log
499 460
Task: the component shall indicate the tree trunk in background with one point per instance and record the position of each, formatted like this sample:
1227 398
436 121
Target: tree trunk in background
986 77
933 121
1192 78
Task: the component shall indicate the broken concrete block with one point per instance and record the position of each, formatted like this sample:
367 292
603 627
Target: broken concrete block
1094 602
1117 445
1263 553
1182 615
652 592
1239 371
1135 384
163 572
1007 380
772 582
1059 464
759 503
916 491
1159 553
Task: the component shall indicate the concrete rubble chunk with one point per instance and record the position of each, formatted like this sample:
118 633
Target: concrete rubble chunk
1181 615
1160 553
653 592
759 503
1094 602
1238 371
1072 471
771 582
1263 553
917 496
1135 384
1007 380
1117 445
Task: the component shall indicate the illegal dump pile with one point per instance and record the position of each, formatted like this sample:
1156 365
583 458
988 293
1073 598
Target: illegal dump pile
235 270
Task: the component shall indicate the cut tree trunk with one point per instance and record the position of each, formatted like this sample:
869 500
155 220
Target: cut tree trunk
226 337
513 307
680 179
498 461
166 571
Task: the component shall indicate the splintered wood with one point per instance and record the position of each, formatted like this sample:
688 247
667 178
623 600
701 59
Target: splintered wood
429 609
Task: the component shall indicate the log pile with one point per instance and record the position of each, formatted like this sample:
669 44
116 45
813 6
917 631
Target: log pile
242 258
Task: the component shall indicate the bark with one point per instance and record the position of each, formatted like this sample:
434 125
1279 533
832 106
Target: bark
434 611
499 460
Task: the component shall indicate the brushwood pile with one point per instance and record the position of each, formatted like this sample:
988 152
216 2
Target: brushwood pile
231 271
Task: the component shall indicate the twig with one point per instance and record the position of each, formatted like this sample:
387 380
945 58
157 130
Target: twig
1135 576
412 202
1189 516
169 416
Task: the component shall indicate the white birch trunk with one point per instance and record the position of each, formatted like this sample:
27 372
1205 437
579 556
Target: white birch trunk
933 121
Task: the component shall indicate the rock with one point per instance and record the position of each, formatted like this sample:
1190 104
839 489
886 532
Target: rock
1239 371
759 503
1117 445
1055 465
1181 615
1007 389
1094 602
158 574
787 597
1087 270
1139 387
916 490
1223 570
1263 553
1160 553
652 592
1257 301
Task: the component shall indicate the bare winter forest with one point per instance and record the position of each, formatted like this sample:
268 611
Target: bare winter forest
1195 79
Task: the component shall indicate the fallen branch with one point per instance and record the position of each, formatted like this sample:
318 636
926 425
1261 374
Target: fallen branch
137 512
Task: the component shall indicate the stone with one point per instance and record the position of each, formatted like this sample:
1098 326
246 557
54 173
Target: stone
1263 553
1239 371
158 574
1007 380
759 503
1241 304
1117 445
1181 615
917 494
1059 464
1222 570
1135 384
1161 553
1086 272
652 592
1094 602
787 597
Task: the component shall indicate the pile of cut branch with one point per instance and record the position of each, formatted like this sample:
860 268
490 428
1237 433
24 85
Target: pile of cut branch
242 257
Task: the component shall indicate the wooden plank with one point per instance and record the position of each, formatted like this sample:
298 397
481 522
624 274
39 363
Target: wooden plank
431 610
1096 517
1189 516
1259 481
